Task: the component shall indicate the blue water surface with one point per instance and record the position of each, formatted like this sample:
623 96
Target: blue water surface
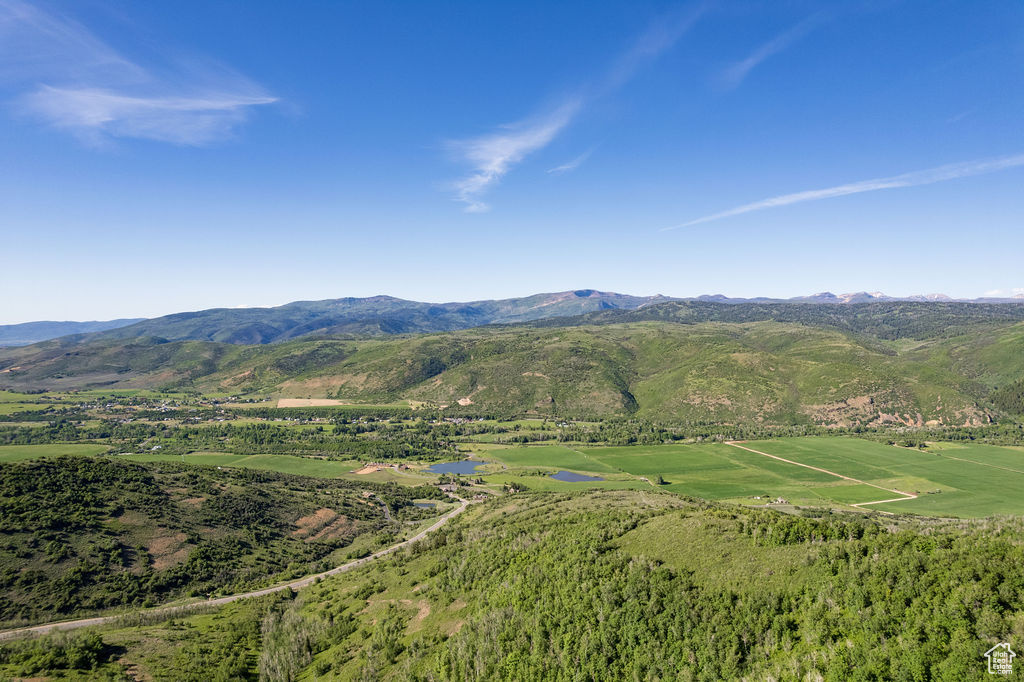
465 466
570 477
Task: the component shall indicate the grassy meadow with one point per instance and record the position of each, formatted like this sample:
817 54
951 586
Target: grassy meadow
18 453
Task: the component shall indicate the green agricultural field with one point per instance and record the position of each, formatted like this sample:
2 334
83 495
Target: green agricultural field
289 464
950 479
546 483
11 396
17 453
717 472
284 464
12 407
866 460
1011 458
552 456
969 480
856 493
667 460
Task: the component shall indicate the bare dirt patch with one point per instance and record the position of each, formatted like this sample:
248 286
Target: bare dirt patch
422 609
133 518
342 526
859 409
238 378
323 385
468 400
167 548
308 525
423 612
132 671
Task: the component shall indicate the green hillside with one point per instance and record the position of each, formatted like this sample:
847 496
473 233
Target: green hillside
765 372
609 585
83 534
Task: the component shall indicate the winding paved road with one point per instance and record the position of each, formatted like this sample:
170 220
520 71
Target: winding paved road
181 608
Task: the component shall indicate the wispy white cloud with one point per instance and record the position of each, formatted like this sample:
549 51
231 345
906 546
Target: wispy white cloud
660 37
735 74
493 155
962 115
571 165
196 119
930 176
35 44
72 80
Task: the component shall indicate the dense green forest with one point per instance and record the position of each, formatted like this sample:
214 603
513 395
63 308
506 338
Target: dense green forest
626 585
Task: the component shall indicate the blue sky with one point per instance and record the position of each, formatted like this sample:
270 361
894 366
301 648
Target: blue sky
159 157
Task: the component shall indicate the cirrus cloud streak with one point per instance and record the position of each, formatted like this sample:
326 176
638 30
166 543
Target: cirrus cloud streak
493 155
68 78
929 176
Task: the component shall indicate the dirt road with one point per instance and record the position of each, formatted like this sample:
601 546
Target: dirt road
181 608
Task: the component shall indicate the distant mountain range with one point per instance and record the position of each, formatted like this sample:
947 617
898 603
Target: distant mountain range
374 316
880 362
857 297
31 332
386 315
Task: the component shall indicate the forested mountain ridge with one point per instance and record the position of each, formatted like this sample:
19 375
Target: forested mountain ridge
385 315
890 320
376 315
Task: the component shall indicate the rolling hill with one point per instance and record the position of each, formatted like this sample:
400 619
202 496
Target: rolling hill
909 363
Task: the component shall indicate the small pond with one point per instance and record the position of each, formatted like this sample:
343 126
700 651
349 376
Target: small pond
424 505
570 477
466 466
